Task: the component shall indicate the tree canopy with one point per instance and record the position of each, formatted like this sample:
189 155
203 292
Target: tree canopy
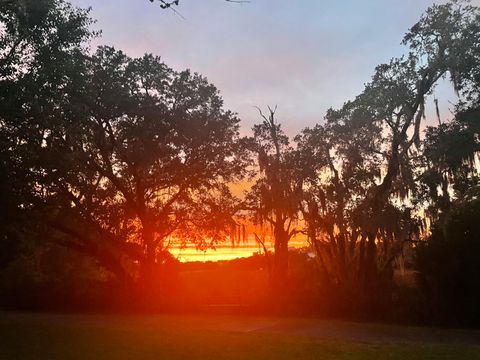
122 155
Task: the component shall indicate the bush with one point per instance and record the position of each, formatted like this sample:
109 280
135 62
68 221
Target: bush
450 266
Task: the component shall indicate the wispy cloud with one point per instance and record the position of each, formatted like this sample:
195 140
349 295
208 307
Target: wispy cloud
304 56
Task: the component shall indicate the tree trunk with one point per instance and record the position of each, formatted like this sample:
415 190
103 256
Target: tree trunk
279 280
149 272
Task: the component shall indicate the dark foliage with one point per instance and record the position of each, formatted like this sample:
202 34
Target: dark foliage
448 263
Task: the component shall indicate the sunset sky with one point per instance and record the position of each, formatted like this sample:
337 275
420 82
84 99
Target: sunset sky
305 56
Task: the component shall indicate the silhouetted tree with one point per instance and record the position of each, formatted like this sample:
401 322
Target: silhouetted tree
449 163
450 187
362 162
40 42
274 196
122 155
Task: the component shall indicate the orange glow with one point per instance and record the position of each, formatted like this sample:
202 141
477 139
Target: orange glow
227 252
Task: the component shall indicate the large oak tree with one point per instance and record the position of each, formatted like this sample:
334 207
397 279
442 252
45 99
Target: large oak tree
123 156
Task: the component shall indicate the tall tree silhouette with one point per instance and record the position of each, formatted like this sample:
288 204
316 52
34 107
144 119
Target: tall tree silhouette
41 42
273 198
363 160
124 154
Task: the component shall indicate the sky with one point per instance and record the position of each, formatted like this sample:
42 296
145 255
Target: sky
303 55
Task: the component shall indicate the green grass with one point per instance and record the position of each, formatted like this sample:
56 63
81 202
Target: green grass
41 336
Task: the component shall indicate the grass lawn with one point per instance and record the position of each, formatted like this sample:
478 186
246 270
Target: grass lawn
63 337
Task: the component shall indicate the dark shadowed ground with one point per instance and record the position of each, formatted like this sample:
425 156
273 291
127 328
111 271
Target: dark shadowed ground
52 336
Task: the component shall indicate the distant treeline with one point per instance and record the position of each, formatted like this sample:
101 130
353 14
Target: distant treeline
104 159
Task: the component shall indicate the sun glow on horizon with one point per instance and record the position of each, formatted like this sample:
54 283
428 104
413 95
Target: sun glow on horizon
226 251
